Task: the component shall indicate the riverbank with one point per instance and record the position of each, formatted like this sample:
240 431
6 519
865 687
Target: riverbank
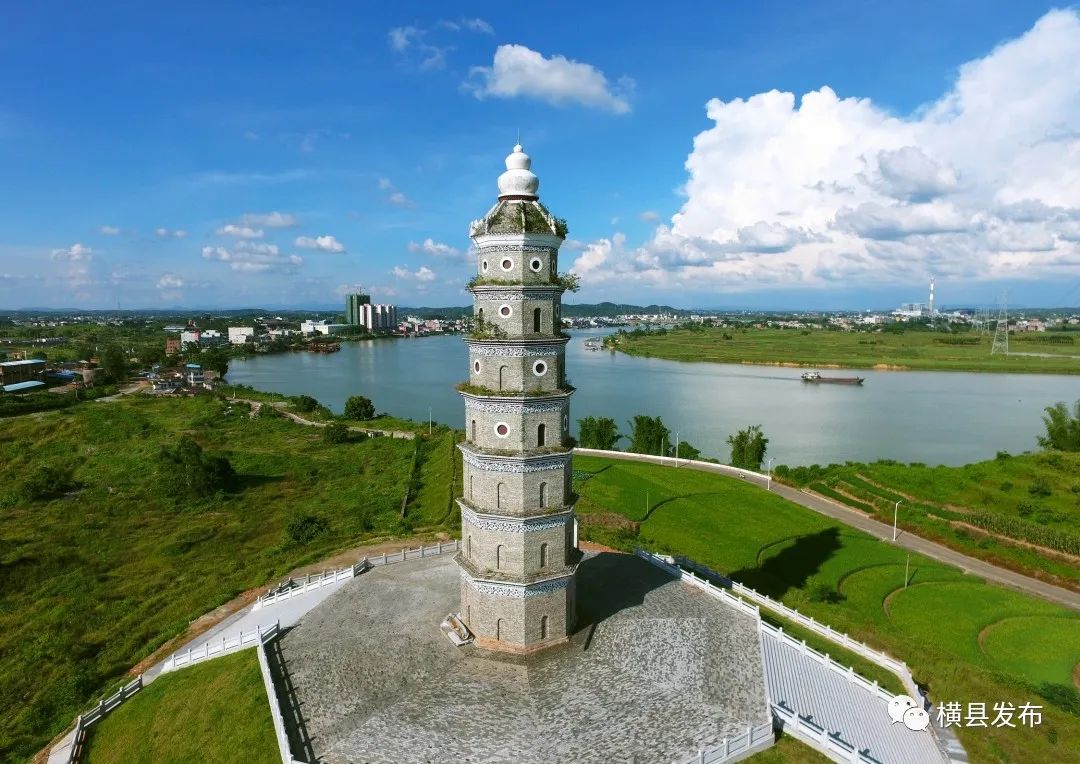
1031 353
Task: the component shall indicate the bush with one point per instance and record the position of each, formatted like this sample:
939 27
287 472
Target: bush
305 404
359 407
1006 486
187 472
335 433
1026 508
304 528
45 481
1039 488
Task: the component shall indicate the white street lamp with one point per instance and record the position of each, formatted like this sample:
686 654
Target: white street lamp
896 510
768 467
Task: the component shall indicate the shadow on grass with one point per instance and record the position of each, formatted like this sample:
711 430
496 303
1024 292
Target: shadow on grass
244 482
792 567
609 582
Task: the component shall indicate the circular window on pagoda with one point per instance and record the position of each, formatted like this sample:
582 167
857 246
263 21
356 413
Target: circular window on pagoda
507 264
502 429
536 264
476 366
539 368
505 311
483 266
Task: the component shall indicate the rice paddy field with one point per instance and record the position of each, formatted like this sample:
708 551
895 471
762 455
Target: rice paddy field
965 640
1042 352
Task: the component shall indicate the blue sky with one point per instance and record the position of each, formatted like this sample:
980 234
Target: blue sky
278 154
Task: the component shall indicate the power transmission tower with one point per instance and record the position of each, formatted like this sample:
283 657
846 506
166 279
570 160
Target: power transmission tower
1001 331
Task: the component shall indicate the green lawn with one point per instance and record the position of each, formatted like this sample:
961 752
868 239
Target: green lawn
788 750
212 712
1031 498
824 348
855 583
94 580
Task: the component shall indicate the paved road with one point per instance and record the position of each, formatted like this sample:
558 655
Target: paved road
858 520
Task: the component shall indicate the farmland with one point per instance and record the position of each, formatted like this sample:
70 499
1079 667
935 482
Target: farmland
821 348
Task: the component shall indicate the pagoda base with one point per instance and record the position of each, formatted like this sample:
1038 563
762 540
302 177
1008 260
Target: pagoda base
656 669
512 649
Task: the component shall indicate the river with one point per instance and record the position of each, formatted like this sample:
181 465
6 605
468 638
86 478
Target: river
932 417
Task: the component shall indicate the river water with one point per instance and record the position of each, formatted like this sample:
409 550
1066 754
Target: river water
933 417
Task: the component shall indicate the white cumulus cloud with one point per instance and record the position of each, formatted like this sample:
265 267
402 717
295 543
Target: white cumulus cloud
109 230
435 248
76 253
423 273
170 281
322 243
253 257
268 219
521 71
982 183
240 231
166 233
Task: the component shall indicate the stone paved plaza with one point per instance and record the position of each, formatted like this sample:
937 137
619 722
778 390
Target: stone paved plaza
655 671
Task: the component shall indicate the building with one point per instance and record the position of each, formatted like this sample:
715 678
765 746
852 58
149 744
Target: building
172 345
194 374
354 305
189 337
378 318
519 534
321 327
22 376
211 337
241 335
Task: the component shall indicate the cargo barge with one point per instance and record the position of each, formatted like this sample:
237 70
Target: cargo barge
814 377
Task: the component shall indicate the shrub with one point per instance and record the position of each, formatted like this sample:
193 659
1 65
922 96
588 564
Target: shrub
359 407
305 404
189 473
304 528
335 433
1006 486
1039 488
1026 508
1002 455
45 481
822 592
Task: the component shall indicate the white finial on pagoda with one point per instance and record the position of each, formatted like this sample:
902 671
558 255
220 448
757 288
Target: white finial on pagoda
518 180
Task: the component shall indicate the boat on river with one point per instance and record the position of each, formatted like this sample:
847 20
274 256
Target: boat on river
816 378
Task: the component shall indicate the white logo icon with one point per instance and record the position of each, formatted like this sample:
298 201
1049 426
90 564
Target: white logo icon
904 709
899 706
916 719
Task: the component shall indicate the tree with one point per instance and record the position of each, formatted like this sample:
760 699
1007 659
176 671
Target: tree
359 407
114 363
1062 427
598 432
335 433
305 404
189 473
217 360
650 436
686 451
748 448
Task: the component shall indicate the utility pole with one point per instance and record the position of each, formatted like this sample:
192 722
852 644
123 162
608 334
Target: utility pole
768 467
676 449
906 564
429 420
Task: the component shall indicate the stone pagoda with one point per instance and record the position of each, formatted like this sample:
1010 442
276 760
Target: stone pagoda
518 531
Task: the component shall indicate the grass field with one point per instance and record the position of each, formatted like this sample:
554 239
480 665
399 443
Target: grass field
965 640
788 750
1022 512
94 579
822 348
212 713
